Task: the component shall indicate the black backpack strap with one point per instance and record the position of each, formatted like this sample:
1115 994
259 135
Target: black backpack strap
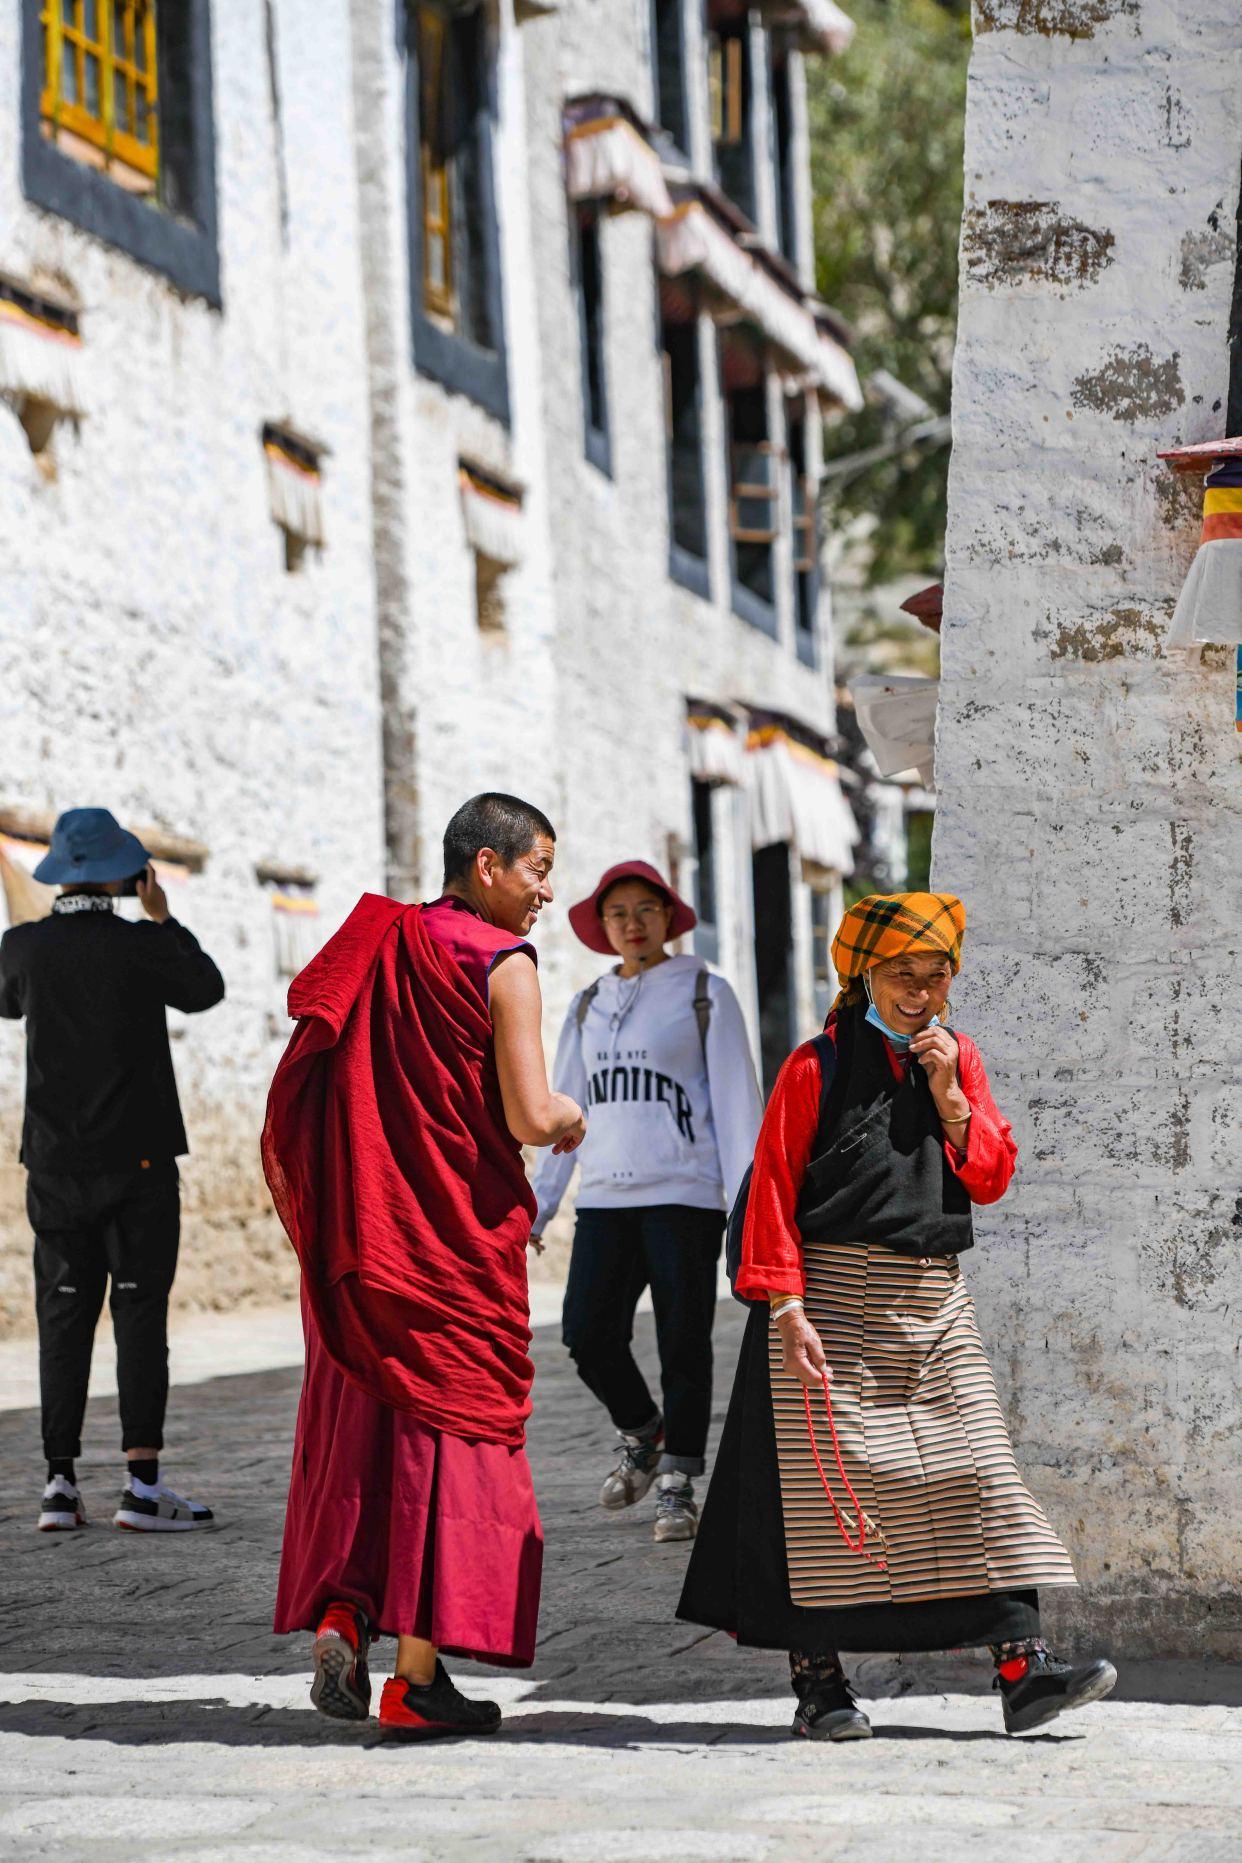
703 1006
826 1049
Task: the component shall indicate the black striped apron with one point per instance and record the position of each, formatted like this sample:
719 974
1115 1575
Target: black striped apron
923 1440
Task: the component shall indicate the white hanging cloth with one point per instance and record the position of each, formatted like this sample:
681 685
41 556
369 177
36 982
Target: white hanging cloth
607 158
714 750
493 519
796 796
294 487
897 715
1209 607
41 359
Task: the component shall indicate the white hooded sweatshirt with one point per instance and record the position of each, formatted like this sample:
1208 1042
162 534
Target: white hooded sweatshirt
666 1122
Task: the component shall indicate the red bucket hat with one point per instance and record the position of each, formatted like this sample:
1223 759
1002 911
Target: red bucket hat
585 919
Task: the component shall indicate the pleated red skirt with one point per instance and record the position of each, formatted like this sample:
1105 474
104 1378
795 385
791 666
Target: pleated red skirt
431 1535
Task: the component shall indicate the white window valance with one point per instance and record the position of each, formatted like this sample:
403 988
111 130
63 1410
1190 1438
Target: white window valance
714 747
493 516
820 24
897 716
40 350
692 239
294 482
796 796
607 157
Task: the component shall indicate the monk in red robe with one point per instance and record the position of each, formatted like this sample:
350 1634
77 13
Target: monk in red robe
392 1147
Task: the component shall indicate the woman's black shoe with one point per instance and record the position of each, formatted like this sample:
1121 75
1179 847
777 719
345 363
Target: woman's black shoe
1050 1686
828 1711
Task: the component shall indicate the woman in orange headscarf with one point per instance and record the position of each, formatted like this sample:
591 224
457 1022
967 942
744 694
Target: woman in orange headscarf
865 1495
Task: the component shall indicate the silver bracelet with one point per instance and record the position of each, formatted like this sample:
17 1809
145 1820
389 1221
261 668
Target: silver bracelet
795 1301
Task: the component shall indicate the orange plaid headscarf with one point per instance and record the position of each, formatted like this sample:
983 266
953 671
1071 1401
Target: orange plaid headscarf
887 925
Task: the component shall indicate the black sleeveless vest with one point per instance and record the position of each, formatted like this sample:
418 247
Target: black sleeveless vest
877 1170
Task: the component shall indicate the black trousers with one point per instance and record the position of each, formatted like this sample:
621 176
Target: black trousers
672 1249
127 1225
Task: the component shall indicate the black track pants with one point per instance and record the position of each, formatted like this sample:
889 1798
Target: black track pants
126 1226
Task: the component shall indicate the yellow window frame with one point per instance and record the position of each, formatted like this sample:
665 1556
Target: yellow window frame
724 87
126 57
437 208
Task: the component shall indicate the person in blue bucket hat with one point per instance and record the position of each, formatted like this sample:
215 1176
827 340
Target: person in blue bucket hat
100 1141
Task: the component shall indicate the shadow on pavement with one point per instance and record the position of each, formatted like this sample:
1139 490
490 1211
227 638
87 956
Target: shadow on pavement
204 1722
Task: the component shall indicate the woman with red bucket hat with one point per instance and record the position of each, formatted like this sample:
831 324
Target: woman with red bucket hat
656 1052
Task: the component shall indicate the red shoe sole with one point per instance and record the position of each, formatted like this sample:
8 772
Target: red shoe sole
416 1728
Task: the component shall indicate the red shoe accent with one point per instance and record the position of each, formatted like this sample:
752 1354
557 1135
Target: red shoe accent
396 1716
1014 1669
340 1620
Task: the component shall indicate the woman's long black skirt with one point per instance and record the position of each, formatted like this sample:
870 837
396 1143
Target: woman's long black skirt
738 1576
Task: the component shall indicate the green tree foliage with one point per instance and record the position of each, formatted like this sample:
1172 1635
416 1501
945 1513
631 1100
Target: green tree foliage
886 127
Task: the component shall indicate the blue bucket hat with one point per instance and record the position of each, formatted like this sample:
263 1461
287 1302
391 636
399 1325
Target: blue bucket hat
90 847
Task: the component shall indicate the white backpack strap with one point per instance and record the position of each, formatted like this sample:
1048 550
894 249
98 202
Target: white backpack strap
703 1006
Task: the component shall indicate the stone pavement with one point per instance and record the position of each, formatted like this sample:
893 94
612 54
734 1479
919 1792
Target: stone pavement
146 1707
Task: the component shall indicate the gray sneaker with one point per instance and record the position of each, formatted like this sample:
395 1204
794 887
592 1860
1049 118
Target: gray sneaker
634 1473
677 1516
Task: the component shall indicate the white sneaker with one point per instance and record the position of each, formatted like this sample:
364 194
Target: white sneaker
677 1515
153 1507
62 1508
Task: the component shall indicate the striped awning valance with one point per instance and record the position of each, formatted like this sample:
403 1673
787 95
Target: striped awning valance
608 157
796 796
714 743
741 287
492 512
294 481
40 348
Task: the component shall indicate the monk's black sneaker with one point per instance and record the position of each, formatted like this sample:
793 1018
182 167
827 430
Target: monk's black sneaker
1035 1688
827 1710
413 1711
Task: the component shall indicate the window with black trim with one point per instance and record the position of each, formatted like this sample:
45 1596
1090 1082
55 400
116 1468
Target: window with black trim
804 512
589 283
783 151
706 878
117 132
457 315
754 479
683 426
729 87
668 47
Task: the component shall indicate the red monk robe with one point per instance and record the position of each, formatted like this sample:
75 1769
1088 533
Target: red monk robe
405 1197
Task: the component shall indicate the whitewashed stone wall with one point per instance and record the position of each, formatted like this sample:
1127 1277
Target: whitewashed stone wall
158 658
155 655
1090 789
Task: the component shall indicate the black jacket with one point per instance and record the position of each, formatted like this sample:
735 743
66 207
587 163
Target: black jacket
877 1171
100 1090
